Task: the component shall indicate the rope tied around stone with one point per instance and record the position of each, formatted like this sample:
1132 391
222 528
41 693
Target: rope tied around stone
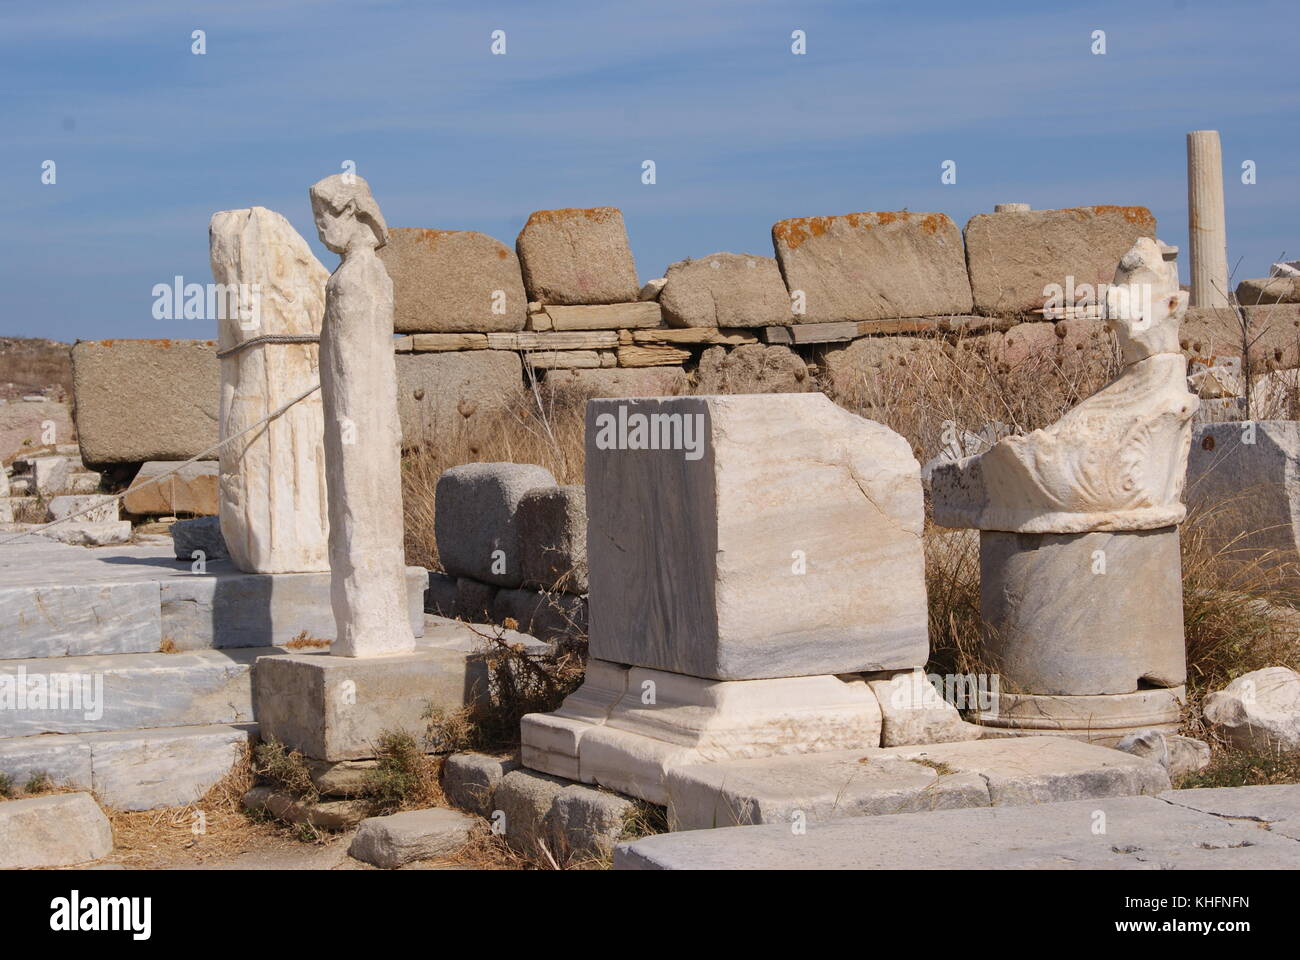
175 470
269 338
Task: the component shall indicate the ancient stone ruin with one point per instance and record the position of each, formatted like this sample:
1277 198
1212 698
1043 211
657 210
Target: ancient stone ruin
731 621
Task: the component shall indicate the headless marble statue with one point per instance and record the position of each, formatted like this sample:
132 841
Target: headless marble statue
1118 460
362 434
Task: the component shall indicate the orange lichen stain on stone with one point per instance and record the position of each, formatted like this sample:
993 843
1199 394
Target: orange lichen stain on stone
1139 216
934 222
595 214
166 344
430 237
794 232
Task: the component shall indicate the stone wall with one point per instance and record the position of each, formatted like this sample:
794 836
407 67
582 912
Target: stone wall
478 323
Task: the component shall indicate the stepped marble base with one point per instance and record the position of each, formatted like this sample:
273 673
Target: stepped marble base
626 727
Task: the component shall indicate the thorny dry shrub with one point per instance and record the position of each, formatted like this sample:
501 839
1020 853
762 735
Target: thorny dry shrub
285 769
519 681
405 777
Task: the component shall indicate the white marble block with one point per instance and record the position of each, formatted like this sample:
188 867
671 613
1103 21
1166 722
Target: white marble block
749 537
273 502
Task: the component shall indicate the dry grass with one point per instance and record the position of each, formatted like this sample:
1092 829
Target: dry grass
540 427
1240 768
956 385
405 779
213 829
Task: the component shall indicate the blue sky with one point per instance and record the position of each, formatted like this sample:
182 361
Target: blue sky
150 140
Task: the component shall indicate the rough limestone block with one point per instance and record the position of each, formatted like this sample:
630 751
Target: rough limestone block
400 838
1142 833
228 609
525 799
344 778
1258 711
325 814
752 368
812 788
272 479
856 368
608 316
1269 290
1243 492
577 256
445 395
53 831
668 720
23 425
452 280
1178 755
586 823
199 534
912 711
337 708
141 400
1014 257
872 266
131 691
769 536
618 382
440 597
475 519
547 616
470 779
725 290
1083 614
91 508
1211 333
145 769
474 600
192 489
72 620
552 525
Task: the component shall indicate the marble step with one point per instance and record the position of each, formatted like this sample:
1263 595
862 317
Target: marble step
131 691
132 769
86 615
